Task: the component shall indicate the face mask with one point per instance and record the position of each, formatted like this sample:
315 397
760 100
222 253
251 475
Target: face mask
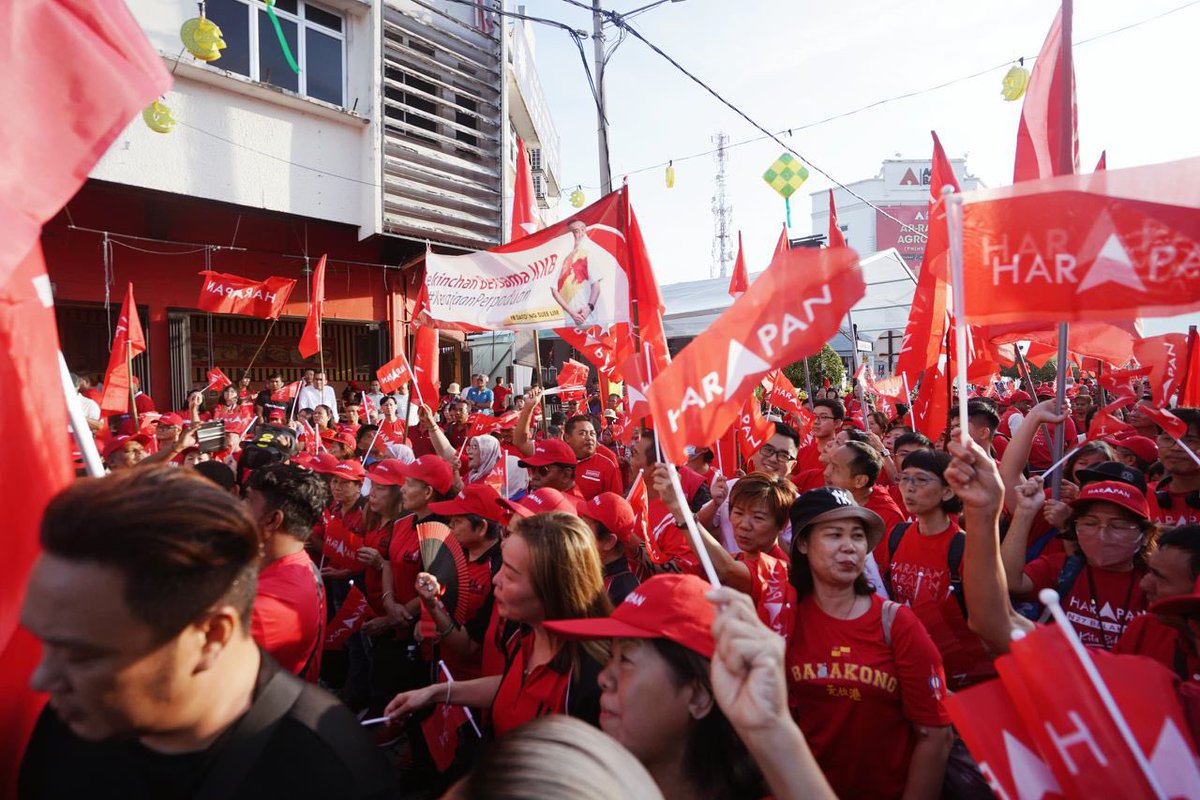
1106 549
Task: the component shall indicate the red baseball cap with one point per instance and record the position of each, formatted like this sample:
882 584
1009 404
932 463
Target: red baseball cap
1143 447
119 442
1019 396
276 413
170 418
431 469
549 451
539 502
303 459
612 511
387 472
351 470
480 499
341 437
664 607
323 462
1180 604
1116 492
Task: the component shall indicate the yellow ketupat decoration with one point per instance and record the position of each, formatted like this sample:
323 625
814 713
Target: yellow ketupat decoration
577 198
157 117
1016 80
202 38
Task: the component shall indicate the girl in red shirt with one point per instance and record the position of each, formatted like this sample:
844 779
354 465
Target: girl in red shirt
550 570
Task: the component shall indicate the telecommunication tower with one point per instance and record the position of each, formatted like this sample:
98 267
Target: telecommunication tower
722 208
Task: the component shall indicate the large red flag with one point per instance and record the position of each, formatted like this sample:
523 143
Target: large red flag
789 312
223 293
1042 129
525 216
1107 246
739 281
128 341
753 429
310 339
652 335
426 365
394 374
836 237
1166 356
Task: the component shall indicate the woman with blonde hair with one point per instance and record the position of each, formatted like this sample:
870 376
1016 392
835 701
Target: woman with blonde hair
550 570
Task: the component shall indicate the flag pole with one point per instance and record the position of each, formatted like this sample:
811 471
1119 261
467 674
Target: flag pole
79 427
954 210
129 372
808 382
908 400
1066 166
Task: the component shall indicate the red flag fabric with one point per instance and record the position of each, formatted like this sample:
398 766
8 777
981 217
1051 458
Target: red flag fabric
525 216
1119 383
931 406
288 392
604 348
425 366
217 379
127 338
354 611
781 393
223 293
310 339
394 374
1113 245
573 373
441 733
1104 424
369 408
639 500
636 386
753 429
1189 391
647 297
1042 127
1102 164
789 312
836 237
1166 356
1165 420
739 281
1111 343
340 546
783 244
480 424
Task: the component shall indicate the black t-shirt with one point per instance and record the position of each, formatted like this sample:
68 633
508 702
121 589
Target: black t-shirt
268 404
318 750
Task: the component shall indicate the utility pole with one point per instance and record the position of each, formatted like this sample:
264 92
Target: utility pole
602 118
722 208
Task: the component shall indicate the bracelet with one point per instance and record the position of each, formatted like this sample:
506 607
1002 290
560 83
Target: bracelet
450 626
447 700
386 595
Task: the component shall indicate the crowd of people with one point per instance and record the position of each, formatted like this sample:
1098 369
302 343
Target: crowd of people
300 606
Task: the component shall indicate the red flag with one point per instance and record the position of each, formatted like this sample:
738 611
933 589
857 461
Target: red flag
622 428
1111 343
340 546
1113 245
636 386
288 392
1120 382
782 394
217 380
128 338
782 245
604 348
1164 419
1102 164
573 373
394 374
525 216
480 423
836 238
368 407
931 406
647 297
441 733
1104 424
739 281
753 429
1189 390
222 293
789 312
1042 129
310 339
640 502
1165 355
354 611
425 366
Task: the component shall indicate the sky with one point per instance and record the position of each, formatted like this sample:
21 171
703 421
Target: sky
791 63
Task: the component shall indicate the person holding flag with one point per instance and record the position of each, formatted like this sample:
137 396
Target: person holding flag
1175 500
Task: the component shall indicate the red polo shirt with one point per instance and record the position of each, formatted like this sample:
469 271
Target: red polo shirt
598 473
522 697
289 614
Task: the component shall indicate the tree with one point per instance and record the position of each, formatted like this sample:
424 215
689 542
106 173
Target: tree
825 363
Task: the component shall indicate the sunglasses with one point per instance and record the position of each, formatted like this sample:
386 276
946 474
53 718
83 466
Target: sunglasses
544 471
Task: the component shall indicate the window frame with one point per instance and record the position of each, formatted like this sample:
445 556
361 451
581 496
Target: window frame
256 9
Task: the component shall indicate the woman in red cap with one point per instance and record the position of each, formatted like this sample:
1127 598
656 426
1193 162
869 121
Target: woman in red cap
1101 585
550 570
657 699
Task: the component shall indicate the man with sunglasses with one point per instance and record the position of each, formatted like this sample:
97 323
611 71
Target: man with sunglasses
552 465
1175 500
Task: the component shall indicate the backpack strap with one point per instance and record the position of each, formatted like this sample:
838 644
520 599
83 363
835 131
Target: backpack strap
954 557
1065 580
887 616
894 537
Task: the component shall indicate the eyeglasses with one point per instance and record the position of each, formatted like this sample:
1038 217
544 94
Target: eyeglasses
823 417
1114 525
1166 440
767 451
919 481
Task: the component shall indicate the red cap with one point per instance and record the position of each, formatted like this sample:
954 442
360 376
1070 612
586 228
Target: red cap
539 502
303 459
434 470
119 442
549 451
480 499
170 418
351 470
1141 446
323 462
664 607
1116 492
612 511
276 413
341 437
1019 396
1180 604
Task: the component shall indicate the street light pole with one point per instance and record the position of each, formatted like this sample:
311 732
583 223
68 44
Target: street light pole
602 119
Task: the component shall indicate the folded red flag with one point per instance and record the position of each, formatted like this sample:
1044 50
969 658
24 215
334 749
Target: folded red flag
394 374
310 338
1189 390
1165 356
128 341
425 365
354 611
223 293
789 312
441 733
639 500
340 547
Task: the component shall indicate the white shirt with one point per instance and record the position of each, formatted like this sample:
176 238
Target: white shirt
90 408
311 397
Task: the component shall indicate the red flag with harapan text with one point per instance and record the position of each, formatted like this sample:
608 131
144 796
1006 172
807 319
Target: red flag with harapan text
223 293
354 611
340 545
310 339
1166 357
739 281
782 394
525 216
217 379
789 312
394 374
1043 127
753 429
836 237
128 341
479 423
1107 246
1104 424
425 365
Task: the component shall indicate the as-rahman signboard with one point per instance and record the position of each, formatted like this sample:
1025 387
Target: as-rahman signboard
889 233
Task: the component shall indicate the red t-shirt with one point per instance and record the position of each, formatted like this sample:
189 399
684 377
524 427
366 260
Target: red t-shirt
522 697
1040 454
380 539
1116 600
500 397
1149 636
476 592
392 432
404 554
1177 513
773 595
808 479
672 541
848 690
882 504
808 457
289 614
598 473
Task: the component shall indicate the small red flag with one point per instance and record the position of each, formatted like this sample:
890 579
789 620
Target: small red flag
636 405
604 348
310 339
354 611
223 293
639 500
782 394
1119 383
753 429
217 379
793 308
1102 164
1042 127
525 216
480 423
739 281
1165 356
394 374
836 237
573 373
782 244
340 546
1104 424
127 339
931 407
1164 419
425 366
288 392
441 733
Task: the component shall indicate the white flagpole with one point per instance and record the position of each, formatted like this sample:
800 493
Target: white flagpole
908 399
953 205
450 679
79 425
690 519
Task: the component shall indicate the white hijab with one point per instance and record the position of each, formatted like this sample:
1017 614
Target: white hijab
489 454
